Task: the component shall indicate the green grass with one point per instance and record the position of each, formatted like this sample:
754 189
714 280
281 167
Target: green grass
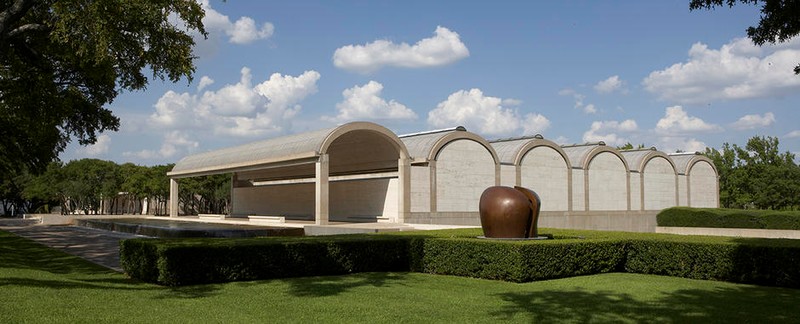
41 285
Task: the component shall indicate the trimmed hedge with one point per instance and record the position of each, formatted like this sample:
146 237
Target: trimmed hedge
520 261
195 261
729 218
771 262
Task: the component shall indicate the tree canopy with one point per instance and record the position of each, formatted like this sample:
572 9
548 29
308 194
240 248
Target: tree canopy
63 62
757 175
780 19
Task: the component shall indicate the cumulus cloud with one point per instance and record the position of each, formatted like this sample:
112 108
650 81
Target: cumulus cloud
754 121
240 110
205 81
365 103
738 70
793 134
99 147
484 114
586 108
609 85
611 132
682 144
242 31
676 122
535 123
443 48
174 142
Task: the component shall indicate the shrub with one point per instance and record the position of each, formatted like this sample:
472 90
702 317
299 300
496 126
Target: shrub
729 218
573 252
184 262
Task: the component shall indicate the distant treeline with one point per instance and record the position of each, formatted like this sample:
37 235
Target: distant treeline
92 186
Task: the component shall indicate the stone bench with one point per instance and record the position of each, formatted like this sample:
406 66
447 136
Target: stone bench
267 219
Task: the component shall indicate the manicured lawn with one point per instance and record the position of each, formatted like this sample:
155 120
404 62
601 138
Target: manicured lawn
38 284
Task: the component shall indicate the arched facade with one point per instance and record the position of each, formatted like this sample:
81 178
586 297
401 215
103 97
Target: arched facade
449 171
363 172
356 171
698 184
653 179
599 178
538 164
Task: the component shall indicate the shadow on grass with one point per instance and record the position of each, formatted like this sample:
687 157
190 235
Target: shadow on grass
335 285
21 253
190 292
687 305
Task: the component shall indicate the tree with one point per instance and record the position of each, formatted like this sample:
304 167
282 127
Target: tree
780 19
629 146
757 175
62 62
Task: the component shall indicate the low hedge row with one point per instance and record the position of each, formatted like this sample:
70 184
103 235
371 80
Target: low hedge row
196 261
729 218
459 253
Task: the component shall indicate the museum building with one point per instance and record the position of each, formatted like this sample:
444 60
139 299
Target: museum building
364 172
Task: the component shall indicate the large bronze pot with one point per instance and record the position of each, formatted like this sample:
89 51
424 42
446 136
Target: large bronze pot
509 212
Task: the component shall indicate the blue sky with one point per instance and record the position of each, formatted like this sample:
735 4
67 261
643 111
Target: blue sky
645 72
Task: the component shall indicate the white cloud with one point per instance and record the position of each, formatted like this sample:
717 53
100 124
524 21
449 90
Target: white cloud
483 114
240 110
754 121
205 81
737 70
365 103
609 132
678 143
677 122
99 147
243 31
535 124
609 85
443 48
586 108
793 134
174 142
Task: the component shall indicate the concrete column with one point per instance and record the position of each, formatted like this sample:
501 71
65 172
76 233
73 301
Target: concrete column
234 179
432 169
403 189
586 189
321 184
173 197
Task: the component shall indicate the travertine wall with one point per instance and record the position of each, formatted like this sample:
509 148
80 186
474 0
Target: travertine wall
356 198
420 189
636 191
545 171
291 200
464 169
659 184
578 189
703 186
608 183
508 175
683 190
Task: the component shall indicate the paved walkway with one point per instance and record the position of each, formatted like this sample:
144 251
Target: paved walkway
98 246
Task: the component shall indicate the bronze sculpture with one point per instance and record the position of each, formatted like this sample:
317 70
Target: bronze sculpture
509 212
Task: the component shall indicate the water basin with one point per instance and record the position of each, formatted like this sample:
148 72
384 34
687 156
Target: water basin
168 228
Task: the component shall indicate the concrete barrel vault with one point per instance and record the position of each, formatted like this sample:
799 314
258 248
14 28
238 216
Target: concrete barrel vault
449 171
539 164
653 179
356 171
600 177
698 184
